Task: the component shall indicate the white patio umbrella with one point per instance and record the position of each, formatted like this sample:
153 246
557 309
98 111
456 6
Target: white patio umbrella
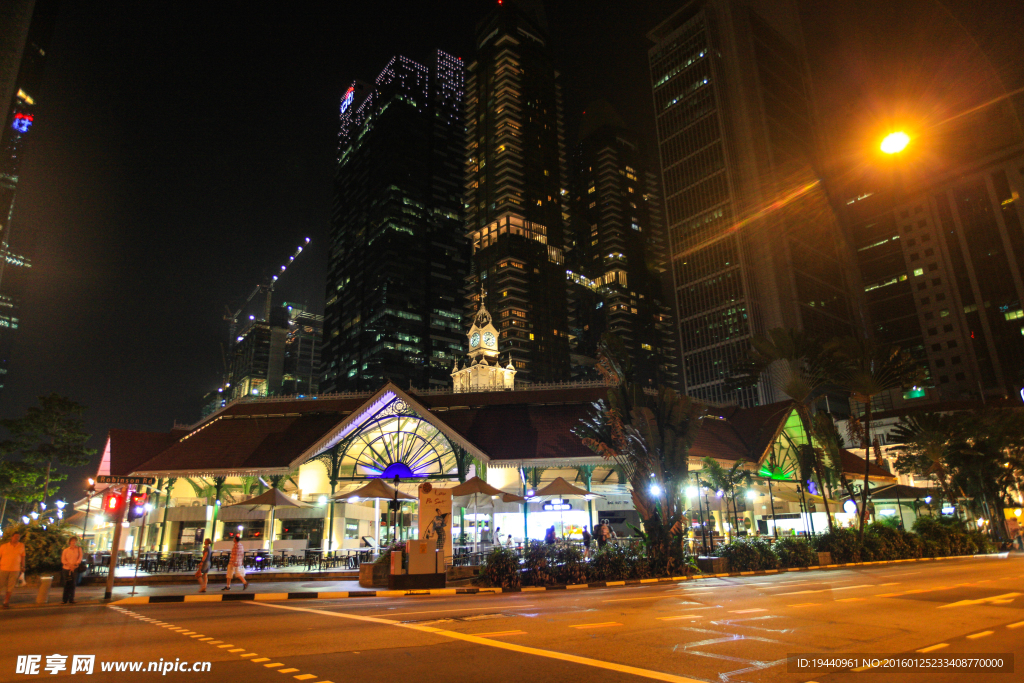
560 489
377 489
271 500
478 492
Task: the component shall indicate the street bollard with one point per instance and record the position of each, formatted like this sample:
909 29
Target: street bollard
42 597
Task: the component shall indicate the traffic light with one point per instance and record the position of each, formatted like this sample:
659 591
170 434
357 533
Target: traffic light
136 506
113 501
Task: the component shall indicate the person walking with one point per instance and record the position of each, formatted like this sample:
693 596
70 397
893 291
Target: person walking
12 565
205 564
496 536
602 534
586 542
70 560
235 566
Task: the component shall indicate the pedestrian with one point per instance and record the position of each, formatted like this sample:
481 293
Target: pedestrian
508 541
602 534
496 536
205 564
70 560
235 567
12 565
586 542
549 537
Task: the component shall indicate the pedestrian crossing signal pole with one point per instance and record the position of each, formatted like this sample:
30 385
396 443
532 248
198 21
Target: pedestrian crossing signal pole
118 517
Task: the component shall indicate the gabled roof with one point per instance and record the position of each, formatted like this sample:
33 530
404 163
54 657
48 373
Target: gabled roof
126 450
853 464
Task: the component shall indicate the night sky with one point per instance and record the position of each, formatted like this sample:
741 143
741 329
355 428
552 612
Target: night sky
183 150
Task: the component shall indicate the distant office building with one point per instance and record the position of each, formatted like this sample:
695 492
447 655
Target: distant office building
398 257
302 347
618 256
752 242
25 31
515 185
940 247
256 358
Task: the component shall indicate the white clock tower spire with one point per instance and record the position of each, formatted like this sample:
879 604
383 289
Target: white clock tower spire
483 371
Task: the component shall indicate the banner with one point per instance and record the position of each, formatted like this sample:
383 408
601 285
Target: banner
436 518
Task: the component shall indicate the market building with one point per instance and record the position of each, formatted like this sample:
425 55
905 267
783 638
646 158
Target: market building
518 440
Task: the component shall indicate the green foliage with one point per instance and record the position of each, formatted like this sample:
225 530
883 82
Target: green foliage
611 563
842 543
945 537
888 542
43 546
752 553
384 557
46 439
794 552
501 568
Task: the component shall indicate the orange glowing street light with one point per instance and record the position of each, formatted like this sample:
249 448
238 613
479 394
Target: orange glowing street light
894 143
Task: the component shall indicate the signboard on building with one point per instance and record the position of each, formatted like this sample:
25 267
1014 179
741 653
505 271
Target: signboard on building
138 481
436 517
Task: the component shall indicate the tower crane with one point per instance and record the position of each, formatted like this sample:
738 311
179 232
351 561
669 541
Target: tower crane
265 288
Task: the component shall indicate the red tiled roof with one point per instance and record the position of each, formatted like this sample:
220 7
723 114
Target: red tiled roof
129 449
521 431
853 464
243 443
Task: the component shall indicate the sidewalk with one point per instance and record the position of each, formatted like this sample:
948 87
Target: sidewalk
93 595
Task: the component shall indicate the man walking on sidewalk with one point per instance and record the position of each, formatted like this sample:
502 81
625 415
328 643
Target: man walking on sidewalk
12 565
235 567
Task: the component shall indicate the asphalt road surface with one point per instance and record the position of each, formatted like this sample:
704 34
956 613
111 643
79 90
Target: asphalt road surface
732 629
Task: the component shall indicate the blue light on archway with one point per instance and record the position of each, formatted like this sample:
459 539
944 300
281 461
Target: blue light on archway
398 469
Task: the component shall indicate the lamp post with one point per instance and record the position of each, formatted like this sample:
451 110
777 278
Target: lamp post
771 500
88 506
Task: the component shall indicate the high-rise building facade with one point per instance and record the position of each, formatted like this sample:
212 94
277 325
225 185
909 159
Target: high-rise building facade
618 256
752 242
398 256
302 348
516 208
25 31
940 247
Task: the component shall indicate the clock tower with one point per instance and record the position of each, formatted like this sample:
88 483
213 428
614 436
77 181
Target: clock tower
483 371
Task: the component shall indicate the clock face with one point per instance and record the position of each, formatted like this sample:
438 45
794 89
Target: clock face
489 340
474 341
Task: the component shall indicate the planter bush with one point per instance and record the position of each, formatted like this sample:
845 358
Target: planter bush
794 552
569 565
840 543
501 568
43 547
748 554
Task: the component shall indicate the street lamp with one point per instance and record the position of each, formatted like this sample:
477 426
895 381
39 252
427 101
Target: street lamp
894 143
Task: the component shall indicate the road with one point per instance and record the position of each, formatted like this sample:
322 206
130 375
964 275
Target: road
730 629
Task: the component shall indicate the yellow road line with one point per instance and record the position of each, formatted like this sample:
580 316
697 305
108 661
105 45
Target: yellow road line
304 677
224 646
748 611
197 635
500 633
286 671
261 659
248 654
206 640
684 616
932 648
499 644
1017 625
274 665
982 634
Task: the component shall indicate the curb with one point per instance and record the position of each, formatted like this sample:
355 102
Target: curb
337 595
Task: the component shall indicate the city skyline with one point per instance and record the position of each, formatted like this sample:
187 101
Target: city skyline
162 192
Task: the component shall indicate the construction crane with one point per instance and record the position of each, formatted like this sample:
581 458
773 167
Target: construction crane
266 288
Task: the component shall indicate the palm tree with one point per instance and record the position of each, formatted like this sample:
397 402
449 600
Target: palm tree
804 366
648 437
925 440
726 481
866 370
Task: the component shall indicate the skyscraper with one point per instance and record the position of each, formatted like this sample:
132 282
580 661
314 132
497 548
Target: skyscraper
753 244
516 209
618 250
398 257
25 31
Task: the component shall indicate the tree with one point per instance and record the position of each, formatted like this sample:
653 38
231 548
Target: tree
48 438
925 441
867 369
726 481
648 435
805 365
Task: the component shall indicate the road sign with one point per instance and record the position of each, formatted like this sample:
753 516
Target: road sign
138 481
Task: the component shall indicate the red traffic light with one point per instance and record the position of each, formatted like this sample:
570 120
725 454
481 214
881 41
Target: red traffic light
113 502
